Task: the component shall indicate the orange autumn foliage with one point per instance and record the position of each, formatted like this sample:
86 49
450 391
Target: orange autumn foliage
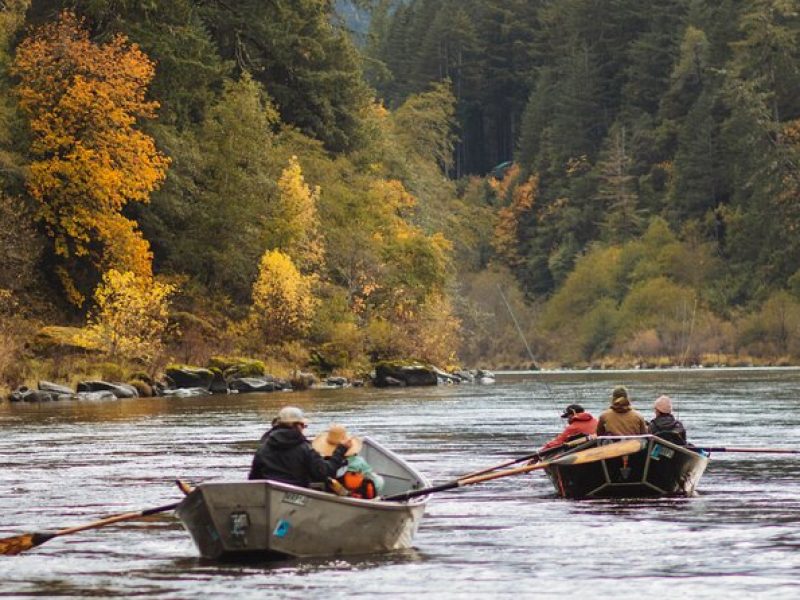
507 229
82 101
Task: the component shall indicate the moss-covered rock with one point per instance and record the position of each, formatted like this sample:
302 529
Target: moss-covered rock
144 389
235 367
186 376
410 374
53 339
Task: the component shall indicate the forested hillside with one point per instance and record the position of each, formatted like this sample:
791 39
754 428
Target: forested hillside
186 178
653 205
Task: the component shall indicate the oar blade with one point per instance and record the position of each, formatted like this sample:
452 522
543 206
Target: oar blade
21 543
604 452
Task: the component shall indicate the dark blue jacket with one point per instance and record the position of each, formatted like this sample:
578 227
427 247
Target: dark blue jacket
669 428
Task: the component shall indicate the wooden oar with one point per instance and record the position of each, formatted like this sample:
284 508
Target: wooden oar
534 456
20 543
762 450
577 458
183 486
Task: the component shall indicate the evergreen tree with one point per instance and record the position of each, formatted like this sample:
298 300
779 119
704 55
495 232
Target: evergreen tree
225 221
616 190
309 67
699 178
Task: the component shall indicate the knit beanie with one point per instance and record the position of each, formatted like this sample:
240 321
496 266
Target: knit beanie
664 405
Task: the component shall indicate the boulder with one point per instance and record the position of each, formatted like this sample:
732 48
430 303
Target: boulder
465 376
336 381
181 376
444 377
47 386
484 377
185 392
246 385
303 381
25 394
408 374
120 390
218 384
235 367
143 388
95 396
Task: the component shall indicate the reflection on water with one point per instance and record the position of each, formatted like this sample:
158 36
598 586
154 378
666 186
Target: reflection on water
68 463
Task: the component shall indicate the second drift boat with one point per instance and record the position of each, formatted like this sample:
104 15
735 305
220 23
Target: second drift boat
660 468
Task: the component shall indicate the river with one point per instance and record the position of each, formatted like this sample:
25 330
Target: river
63 464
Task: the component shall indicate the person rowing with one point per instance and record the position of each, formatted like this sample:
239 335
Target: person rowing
579 423
285 454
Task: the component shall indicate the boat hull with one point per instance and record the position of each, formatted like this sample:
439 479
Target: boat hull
661 468
269 519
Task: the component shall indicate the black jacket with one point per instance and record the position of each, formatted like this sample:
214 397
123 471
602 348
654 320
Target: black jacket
669 428
285 455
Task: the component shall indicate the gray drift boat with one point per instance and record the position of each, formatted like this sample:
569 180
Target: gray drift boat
660 468
272 520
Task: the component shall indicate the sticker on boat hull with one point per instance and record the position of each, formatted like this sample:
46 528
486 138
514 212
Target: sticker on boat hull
281 528
658 451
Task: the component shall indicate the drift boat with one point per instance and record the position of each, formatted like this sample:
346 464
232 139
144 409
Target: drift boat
660 468
274 520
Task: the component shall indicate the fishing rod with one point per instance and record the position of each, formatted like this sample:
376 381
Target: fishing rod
519 329
528 348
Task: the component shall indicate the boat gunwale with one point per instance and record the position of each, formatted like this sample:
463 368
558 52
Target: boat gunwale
648 436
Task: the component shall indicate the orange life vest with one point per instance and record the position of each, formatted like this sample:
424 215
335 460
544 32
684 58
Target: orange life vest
358 485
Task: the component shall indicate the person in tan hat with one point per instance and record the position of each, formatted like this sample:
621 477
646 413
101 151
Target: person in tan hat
665 425
285 454
358 478
621 418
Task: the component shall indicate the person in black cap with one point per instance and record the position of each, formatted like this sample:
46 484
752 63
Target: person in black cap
579 422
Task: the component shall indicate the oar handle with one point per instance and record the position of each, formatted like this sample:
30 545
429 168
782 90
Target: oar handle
756 450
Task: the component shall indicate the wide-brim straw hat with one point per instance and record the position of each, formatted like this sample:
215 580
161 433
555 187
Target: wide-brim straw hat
325 443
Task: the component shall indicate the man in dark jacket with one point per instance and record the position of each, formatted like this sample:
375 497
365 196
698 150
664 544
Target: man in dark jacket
665 425
285 454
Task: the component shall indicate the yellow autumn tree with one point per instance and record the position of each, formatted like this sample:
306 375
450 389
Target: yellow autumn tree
82 101
283 302
298 233
131 316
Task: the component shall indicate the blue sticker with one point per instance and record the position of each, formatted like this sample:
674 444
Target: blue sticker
656 452
281 529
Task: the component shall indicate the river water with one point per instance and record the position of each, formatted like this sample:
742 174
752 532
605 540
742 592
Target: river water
64 464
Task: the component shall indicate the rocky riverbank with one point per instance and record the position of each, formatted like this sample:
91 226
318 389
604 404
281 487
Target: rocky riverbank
240 376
